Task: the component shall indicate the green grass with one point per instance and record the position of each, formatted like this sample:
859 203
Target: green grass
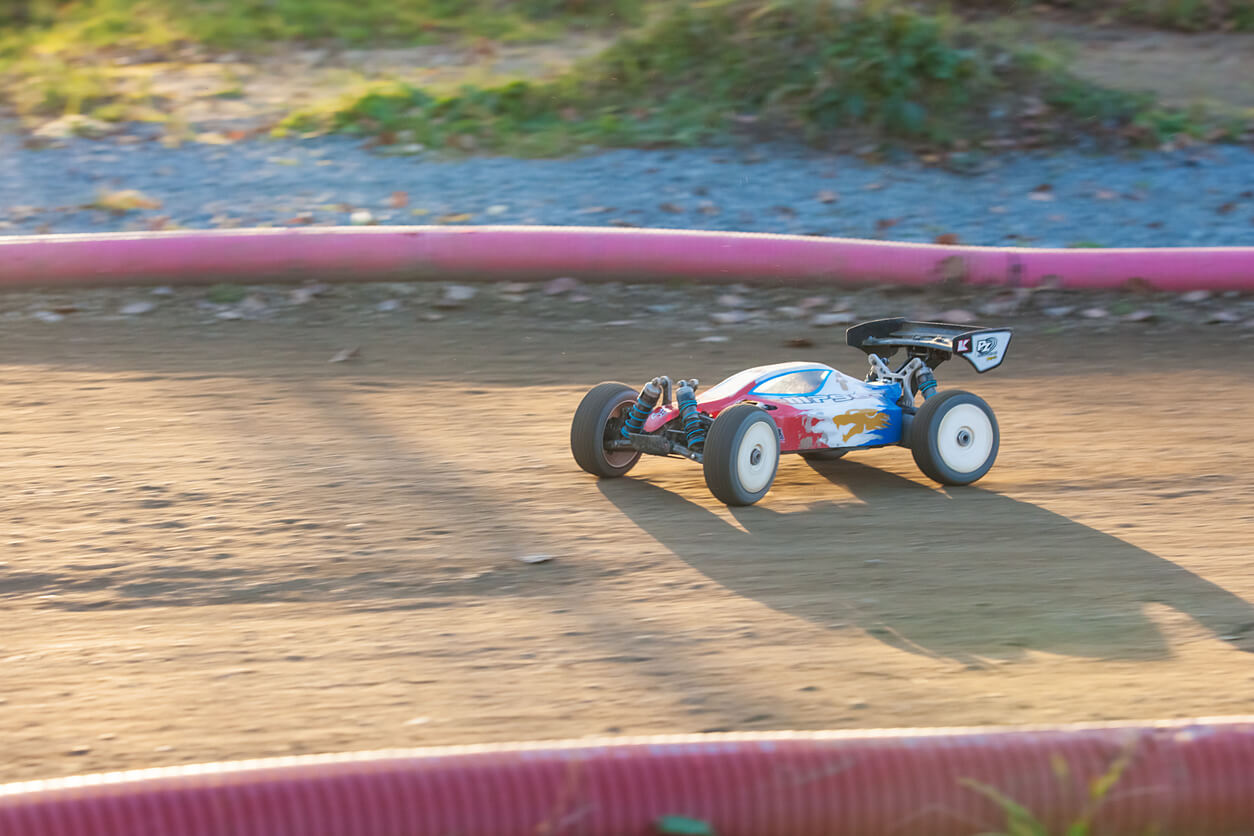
1020 821
801 69
51 26
1180 15
57 56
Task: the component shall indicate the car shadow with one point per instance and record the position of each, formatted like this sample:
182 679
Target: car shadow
965 574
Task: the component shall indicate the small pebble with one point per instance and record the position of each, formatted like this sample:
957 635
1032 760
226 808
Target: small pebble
728 317
827 320
535 558
562 284
136 308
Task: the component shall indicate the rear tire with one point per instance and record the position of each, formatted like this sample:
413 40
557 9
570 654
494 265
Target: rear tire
741 455
955 438
594 424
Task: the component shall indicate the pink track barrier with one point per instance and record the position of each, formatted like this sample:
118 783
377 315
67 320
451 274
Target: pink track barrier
534 253
1194 778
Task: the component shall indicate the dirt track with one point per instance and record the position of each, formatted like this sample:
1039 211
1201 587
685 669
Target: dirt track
221 546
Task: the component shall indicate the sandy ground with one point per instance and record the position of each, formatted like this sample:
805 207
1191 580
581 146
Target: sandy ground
218 545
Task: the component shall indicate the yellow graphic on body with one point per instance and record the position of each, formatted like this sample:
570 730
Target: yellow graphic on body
862 421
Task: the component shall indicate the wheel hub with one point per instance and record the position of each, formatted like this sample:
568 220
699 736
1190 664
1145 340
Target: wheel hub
755 458
964 438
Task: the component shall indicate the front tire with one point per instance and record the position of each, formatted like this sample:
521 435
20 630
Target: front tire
955 438
594 424
741 455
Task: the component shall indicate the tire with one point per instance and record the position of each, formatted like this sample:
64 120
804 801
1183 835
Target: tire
954 438
741 455
590 427
823 455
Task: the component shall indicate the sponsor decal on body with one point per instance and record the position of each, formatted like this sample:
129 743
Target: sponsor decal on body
860 421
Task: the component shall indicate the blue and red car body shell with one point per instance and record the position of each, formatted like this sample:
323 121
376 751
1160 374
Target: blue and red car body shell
814 406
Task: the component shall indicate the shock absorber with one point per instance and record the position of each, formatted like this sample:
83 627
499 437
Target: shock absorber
927 384
645 401
686 397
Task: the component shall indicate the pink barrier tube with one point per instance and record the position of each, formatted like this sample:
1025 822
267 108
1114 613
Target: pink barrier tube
1193 778
532 253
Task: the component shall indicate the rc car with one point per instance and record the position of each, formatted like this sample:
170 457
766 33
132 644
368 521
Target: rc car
739 428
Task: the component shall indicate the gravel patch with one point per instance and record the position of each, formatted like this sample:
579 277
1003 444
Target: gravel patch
1196 196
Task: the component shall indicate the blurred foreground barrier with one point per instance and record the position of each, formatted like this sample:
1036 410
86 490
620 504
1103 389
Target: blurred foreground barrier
1192 778
520 253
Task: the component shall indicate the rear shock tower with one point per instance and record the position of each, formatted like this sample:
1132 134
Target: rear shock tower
915 376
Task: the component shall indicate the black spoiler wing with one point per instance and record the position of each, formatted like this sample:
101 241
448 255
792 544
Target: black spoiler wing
983 348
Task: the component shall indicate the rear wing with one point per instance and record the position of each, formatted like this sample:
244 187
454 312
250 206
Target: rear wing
983 348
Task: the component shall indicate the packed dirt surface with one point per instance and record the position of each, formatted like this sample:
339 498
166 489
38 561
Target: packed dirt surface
1182 69
259 90
218 545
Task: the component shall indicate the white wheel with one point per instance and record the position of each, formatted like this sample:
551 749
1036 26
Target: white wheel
954 438
965 438
757 457
741 454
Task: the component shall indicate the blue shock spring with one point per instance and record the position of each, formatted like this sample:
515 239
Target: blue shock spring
928 387
639 412
686 397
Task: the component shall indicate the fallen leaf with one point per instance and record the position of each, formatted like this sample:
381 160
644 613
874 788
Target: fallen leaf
673 208
345 354
459 218
1227 208
827 196
799 342
126 200
948 239
399 200
212 138
1105 194
301 219
887 223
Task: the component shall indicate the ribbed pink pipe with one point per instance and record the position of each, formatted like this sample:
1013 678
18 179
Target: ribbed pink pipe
1190 778
531 253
